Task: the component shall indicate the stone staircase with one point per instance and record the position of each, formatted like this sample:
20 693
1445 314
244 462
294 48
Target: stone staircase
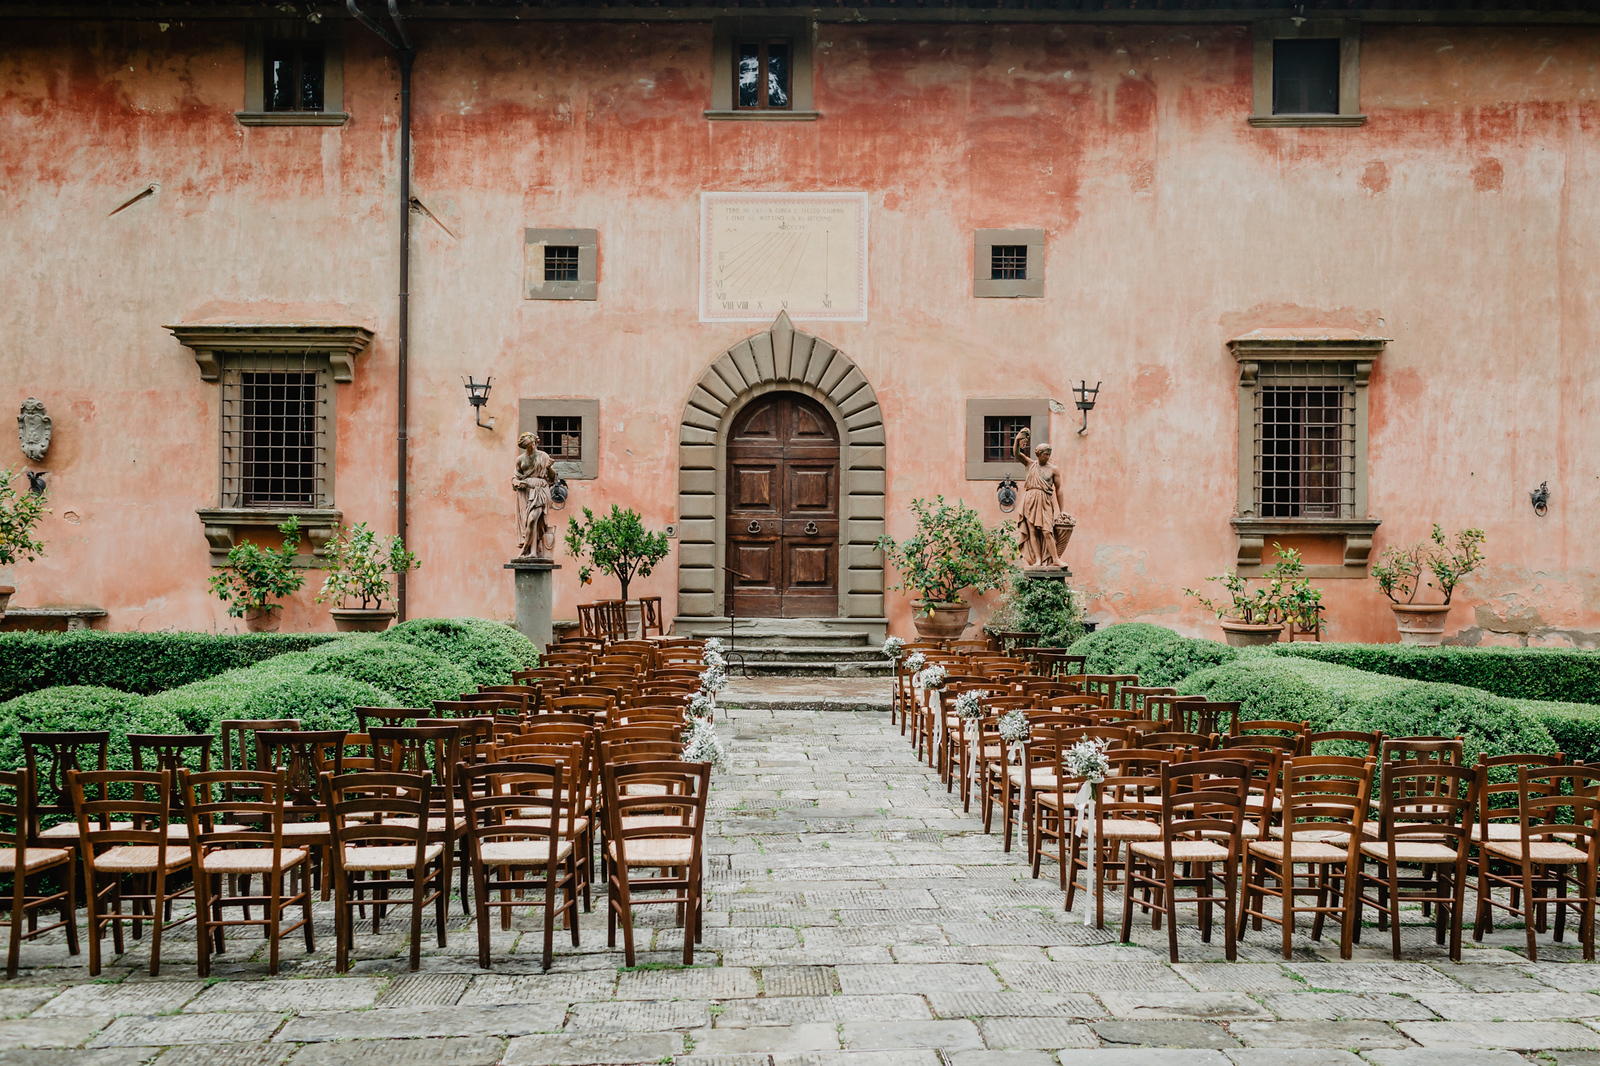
797 647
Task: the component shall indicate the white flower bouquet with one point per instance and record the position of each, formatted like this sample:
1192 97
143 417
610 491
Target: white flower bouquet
968 706
701 706
1015 728
714 644
714 679
893 648
1087 759
713 657
915 662
701 744
933 677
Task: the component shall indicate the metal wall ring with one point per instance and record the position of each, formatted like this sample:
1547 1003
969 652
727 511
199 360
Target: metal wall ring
811 529
755 527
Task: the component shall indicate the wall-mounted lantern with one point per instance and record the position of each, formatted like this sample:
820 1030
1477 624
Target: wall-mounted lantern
477 396
1086 397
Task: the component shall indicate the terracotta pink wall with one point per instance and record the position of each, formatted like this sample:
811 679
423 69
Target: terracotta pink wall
1463 221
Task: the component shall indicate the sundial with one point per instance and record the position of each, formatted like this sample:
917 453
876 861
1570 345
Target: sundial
804 253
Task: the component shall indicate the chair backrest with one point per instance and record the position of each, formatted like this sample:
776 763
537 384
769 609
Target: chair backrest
1270 726
420 750
666 788
366 717
476 706
239 747
1559 802
578 718
1326 794
1172 740
140 819
1497 784
581 704
1159 707
519 801
171 751
1132 697
1082 700
1206 716
589 619
17 813
1132 787
1288 747
1427 800
303 756
650 616
49 795
1203 798
249 802
1107 684
474 736
377 808
1423 750
625 734
1344 737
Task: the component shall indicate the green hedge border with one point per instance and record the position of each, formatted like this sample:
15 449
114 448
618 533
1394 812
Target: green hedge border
1569 675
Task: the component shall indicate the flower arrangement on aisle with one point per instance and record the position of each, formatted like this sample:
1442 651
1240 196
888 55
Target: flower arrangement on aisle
1015 728
700 740
701 744
932 678
968 706
1087 760
915 662
893 649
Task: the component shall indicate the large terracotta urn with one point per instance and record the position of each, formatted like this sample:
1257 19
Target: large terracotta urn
1249 634
1421 623
362 619
6 592
947 622
262 619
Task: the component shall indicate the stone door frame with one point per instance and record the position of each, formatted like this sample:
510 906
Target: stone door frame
780 359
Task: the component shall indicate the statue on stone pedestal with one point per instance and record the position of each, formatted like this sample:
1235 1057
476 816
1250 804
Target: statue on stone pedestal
1042 522
535 474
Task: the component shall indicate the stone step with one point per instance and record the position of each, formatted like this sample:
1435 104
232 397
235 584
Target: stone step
803 653
769 668
762 638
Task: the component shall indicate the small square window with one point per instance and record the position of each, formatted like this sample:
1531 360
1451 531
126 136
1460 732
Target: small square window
294 76
1305 76
561 262
1000 436
761 75
561 437
1008 262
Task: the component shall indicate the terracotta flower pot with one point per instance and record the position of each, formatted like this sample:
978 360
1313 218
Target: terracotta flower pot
362 619
6 592
262 619
1421 623
1248 635
947 622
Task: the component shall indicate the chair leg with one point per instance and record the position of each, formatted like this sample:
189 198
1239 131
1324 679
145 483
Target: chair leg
1393 870
1286 886
19 906
419 885
305 907
71 915
158 901
550 886
1528 912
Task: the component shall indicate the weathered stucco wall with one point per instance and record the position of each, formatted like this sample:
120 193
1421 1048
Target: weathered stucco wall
1463 221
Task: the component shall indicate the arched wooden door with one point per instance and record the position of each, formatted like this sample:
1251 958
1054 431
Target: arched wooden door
783 509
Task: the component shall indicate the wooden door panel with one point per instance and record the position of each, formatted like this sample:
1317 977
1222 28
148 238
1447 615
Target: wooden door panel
782 531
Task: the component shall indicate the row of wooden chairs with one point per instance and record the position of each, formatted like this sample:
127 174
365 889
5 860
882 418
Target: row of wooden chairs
608 619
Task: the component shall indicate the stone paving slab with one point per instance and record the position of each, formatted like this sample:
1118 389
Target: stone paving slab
444 1051
240 1028
1488 1034
413 1023
51 1031
1206 1006
1317 1034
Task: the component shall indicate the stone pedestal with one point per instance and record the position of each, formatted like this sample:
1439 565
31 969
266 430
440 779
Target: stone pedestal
1046 573
535 599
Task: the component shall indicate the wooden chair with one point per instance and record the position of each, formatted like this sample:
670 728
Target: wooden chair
1206 716
251 804
1557 810
1173 740
49 794
135 843
24 857
1107 684
303 756
577 755
1132 697
239 748
380 825
392 717
1496 819
514 815
1425 819
1162 708
172 752
1324 806
434 749
650 616
589 621
1346 738
669 791
1202 815
1128 811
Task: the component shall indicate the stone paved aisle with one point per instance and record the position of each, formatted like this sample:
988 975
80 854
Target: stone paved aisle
856 918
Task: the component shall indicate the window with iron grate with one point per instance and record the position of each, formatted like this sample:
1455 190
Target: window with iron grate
275 433
1008 262
1305 440
561 262
561 437
1000 436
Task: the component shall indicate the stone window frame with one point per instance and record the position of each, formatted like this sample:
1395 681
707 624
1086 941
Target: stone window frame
799 31
983 244
1348 31
1358 351
331 36
1038 410
331 350
534 287
529 411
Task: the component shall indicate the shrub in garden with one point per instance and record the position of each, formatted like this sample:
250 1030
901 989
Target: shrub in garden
320 701
75 707
1575 727
1114 649
1485 723
487 651
1048 608
1265 688
135 662
1170 661
413 675
1561 674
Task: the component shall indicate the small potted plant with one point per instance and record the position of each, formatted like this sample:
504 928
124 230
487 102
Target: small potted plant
19 514
1250 617
1399 573
255 576
619 545
950 552
358 568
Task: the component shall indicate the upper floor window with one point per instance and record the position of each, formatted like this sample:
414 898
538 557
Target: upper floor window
1305 76
762 77
294 76
1000 436
1008 262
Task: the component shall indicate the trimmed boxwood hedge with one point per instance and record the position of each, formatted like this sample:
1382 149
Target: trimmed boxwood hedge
72 707
1562 674
1114 649
487 651
1170 661
414 676
134 662
1338 697
320 701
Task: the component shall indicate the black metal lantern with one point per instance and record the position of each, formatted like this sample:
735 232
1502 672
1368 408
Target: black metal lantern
1086 397
1007 494
477 396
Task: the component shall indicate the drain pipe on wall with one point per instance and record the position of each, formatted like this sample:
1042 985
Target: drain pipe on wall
400 41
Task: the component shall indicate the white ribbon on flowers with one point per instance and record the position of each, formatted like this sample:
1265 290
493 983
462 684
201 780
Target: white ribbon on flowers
1084 802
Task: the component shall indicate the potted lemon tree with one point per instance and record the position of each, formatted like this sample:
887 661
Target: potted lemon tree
1399 573
950 552
19 514
359 566
1257 616
255 576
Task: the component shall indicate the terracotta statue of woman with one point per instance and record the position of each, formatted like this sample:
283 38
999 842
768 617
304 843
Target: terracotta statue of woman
1042 508
532 486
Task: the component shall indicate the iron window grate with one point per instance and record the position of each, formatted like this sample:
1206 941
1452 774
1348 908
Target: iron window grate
1008 262
1305 440
1000 436
561 437
561 262
274 433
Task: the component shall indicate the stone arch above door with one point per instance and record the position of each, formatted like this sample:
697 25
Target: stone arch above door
776 359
